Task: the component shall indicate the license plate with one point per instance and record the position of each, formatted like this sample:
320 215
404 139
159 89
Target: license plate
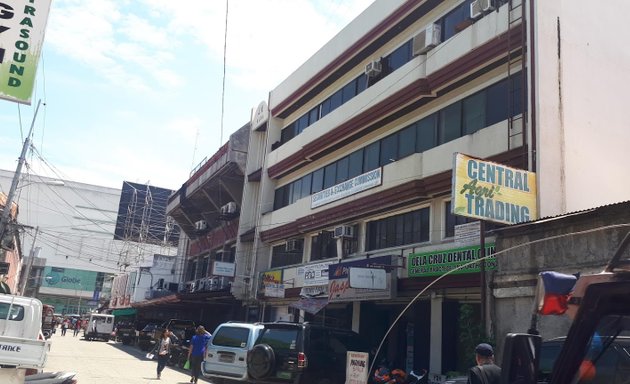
283 375
226 358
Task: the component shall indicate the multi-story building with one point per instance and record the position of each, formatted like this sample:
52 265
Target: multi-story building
350 161
207 208
68 229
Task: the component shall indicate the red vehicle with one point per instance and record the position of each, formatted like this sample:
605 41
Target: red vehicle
48 316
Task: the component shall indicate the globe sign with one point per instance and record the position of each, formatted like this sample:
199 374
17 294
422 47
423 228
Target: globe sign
52 279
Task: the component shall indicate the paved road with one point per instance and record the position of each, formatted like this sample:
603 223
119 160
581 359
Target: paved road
99 362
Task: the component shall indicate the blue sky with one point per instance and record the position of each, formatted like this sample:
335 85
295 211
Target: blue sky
133 88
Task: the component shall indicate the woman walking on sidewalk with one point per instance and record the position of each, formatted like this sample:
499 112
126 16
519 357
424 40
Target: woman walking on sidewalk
163 352
197 351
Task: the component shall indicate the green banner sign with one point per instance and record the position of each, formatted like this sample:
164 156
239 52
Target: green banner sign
439 262
72 279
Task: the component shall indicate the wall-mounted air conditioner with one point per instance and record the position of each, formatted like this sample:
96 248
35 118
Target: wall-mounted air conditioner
229 208
294 245
373 68
343 231
479 7
201 225
427 39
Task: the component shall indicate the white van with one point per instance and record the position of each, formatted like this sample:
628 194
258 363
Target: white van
99 326
226 357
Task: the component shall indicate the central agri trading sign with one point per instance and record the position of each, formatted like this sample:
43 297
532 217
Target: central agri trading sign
22 26
493 192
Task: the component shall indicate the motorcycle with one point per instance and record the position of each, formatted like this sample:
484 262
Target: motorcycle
384 375
52 378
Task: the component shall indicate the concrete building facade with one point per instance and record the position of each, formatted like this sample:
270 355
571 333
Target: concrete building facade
350 162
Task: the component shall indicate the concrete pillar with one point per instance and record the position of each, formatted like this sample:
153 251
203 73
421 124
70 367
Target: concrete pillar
356 315
435 364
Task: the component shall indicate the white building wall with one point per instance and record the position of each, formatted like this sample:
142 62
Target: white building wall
582 123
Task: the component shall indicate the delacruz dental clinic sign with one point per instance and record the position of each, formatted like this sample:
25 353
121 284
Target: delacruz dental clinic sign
350 187
22 26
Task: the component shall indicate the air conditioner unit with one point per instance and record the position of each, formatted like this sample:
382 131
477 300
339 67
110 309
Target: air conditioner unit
201 225
478 7
373 68
294 245
427 39
343 231
229 208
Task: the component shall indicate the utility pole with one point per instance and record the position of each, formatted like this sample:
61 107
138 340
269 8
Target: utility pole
26 274
4 219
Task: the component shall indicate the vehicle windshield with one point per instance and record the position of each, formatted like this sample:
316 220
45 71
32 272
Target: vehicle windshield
606 359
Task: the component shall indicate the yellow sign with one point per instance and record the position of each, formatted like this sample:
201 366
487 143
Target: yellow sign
493 192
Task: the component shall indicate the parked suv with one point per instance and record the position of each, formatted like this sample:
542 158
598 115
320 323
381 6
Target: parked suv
227 351
612 367
301 353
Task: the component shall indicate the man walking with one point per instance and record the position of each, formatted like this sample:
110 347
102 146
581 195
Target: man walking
485 372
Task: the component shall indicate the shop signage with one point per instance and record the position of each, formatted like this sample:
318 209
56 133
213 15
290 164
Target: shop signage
339 289
357 367
493 192
315 291
260 115
316 274
22 26
439 262
467 233
272 283
350 187
373 278
221 268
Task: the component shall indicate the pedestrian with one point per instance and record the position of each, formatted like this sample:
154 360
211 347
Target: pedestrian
77 327
64 326
485 372
163 351
197 351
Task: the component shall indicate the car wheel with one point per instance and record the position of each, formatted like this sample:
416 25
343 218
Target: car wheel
260 361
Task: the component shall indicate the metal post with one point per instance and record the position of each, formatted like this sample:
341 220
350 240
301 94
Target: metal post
4 220
80 289
482 269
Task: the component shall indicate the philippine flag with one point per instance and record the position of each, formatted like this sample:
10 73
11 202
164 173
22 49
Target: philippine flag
554 290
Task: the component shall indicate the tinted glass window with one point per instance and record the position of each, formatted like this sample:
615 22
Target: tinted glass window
296 191
279 198
281 257
389 149
325 107
450 122
406 228
355 166
407 141
399 57
287 133
349 91
313 115
335 100
371 157
306 185
231 337
330 175
301 124
280 338
342 169
323 246
456 20
474 113
317 180
496 103
425 136
451 220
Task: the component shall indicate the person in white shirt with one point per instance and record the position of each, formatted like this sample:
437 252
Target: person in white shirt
163 351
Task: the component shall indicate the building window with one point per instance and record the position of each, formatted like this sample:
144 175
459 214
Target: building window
407 228
456 20
287 254
323 246
451 220
466 116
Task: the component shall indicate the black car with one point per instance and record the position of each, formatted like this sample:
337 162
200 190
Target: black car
301 353
611 360
146 336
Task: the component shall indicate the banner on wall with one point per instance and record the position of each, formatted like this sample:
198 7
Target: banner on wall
437 263
339 289
22 27
493 192
272 285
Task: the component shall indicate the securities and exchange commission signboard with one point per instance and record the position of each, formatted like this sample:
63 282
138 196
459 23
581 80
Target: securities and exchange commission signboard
350 187
439 262
22 26
493 192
